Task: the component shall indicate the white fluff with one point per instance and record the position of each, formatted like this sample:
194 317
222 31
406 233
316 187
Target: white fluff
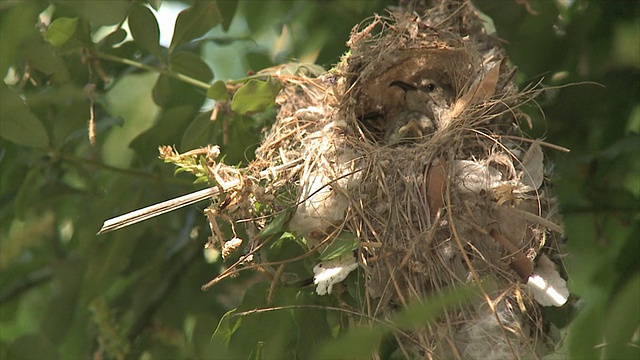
472 177
331 272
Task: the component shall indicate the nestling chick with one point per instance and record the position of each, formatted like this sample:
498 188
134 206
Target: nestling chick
416 119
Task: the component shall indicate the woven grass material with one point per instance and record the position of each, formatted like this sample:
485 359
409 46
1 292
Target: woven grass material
465 201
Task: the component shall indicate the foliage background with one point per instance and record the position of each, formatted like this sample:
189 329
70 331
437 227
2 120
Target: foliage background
136 292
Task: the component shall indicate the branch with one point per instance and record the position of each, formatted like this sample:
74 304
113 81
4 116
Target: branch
173 74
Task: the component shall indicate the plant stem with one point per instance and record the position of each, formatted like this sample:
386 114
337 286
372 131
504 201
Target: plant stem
84 162
168 72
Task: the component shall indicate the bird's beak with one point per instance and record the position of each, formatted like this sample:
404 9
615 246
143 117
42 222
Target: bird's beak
403 85
411 130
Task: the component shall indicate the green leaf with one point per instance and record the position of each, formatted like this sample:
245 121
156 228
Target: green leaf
18 123
31 185
344 243
255 96
276 225
620 323
218 91
44 57
261 18
145 31
190 64
167 130
69 34
200 132
98 13
312 325
296 68
115 37
195 22
284 248
60 31
422 312
245 130
155 4
358 343
64 304
14 31
250 336
227 325
32 346
228 10
162 90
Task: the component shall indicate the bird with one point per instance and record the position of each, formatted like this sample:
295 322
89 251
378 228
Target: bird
415 119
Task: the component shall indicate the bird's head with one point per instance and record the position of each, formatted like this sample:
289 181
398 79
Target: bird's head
423 98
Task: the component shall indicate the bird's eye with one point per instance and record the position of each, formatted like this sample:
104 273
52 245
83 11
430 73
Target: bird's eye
430 87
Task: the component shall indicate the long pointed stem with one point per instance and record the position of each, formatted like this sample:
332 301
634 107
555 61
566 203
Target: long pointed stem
148 212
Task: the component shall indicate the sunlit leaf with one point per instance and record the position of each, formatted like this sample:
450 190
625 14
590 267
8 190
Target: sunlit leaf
344 243
60 31
68 34
255 96
195 22
18 123
145 31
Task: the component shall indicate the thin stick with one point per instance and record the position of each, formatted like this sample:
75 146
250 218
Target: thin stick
148 212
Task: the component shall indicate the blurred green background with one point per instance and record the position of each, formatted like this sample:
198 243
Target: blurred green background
66 293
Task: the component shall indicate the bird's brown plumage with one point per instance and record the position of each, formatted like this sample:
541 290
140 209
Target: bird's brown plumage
416 118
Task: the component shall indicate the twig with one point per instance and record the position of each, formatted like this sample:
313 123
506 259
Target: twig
149 212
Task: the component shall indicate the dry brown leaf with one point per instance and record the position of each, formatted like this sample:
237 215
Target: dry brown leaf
520 263
533 166
487 87
436 180
479 91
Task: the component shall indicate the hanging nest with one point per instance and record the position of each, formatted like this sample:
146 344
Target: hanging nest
412 144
